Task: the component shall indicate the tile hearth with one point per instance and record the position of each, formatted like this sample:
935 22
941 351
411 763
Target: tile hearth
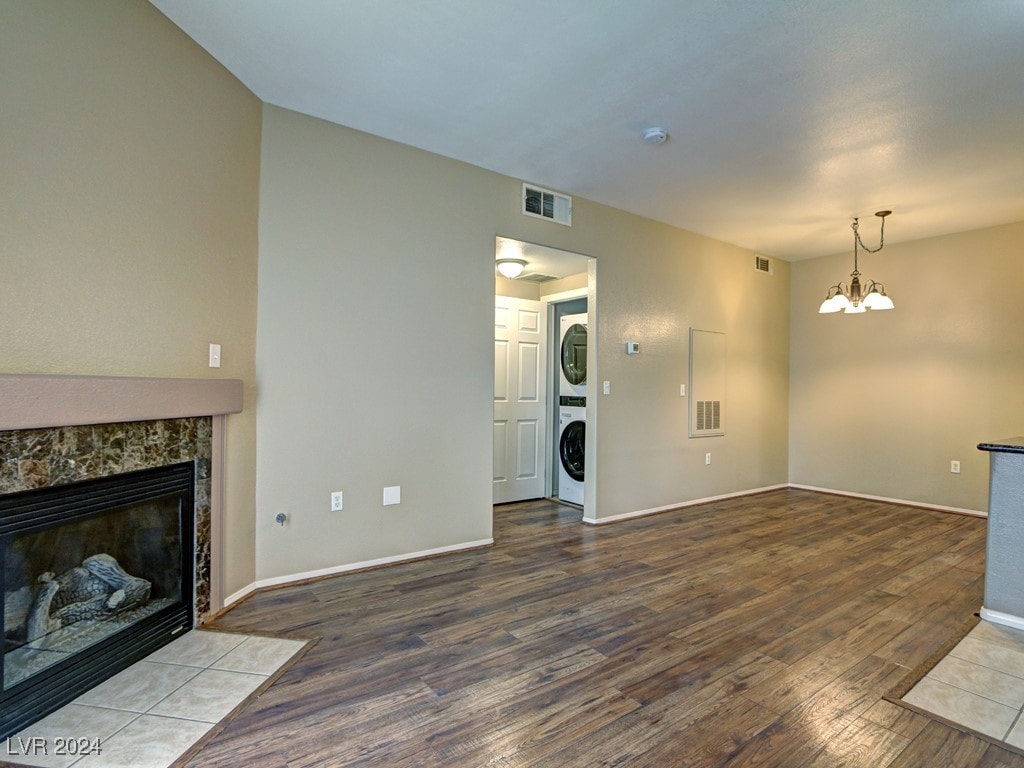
153 712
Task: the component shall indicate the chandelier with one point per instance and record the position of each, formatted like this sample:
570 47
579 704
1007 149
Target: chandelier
853 298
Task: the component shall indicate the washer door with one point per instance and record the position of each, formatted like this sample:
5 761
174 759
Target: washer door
574 354
571 449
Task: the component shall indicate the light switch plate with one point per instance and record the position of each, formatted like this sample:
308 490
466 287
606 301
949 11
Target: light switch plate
392 495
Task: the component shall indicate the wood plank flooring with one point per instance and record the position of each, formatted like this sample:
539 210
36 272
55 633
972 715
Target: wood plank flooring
760 631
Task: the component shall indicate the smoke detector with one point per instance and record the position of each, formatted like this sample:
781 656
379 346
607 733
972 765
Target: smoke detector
655 136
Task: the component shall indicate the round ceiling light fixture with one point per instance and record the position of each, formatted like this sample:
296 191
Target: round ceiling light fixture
655 136
511 268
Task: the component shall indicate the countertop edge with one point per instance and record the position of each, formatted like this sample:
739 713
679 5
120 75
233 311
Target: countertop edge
1006 445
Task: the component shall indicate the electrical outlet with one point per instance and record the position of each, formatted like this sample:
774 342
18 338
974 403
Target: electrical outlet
707 458
954 467
337 501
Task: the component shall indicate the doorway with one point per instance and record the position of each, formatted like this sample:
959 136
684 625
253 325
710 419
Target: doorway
529 310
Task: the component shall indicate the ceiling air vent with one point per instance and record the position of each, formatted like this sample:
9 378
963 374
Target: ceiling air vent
763 264
535 277
545 204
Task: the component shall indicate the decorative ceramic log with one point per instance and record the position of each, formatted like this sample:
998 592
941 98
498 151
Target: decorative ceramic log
17 604
77 586
39 621
98 589
136 590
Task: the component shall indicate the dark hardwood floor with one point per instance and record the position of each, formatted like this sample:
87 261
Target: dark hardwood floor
761 631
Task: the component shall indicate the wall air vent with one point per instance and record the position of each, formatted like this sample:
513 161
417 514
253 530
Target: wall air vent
709 415
545 204
763 264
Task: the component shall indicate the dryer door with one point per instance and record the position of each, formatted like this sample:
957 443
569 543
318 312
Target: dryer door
574 354
571 449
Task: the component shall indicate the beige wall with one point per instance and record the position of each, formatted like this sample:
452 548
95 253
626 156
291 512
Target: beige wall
654 283
568 283
368 369
517 289
128 211
375 349
882 402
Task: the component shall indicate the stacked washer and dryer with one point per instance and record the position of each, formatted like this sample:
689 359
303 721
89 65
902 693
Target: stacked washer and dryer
572 407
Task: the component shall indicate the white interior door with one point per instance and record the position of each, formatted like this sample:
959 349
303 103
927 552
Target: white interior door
520 406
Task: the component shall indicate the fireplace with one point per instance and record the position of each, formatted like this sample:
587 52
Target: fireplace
96 575
87 435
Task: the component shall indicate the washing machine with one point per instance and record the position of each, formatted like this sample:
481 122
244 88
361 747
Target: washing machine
572 433
573 355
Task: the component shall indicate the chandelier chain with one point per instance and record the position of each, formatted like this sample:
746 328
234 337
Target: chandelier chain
857 241
881 237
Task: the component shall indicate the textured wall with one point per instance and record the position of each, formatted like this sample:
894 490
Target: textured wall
882 402
375 351
128 212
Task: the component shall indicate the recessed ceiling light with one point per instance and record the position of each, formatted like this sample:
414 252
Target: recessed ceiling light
655 135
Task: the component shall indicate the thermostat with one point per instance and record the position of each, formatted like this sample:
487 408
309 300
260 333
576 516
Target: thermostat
632 347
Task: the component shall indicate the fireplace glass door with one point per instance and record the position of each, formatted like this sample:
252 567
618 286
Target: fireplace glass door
95 576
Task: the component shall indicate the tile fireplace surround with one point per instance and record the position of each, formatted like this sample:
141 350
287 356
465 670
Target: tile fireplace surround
61 429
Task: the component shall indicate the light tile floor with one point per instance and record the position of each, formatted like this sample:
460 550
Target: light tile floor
979 684
150 714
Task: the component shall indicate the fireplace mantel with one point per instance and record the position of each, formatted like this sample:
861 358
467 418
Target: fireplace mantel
33 401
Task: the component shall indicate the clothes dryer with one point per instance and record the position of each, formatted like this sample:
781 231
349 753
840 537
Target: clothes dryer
572 431
573 355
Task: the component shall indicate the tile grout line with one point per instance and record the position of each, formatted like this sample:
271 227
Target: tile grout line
986 666
1013 725
993 647
979 694
245 638
80 760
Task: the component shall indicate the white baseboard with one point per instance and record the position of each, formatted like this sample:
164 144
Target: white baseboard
887 500
679 505
1006 619
293 578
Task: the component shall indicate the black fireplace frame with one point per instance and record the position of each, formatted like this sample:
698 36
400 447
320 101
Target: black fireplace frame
45 508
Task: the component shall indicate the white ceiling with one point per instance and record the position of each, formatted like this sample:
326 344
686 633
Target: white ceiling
786 117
